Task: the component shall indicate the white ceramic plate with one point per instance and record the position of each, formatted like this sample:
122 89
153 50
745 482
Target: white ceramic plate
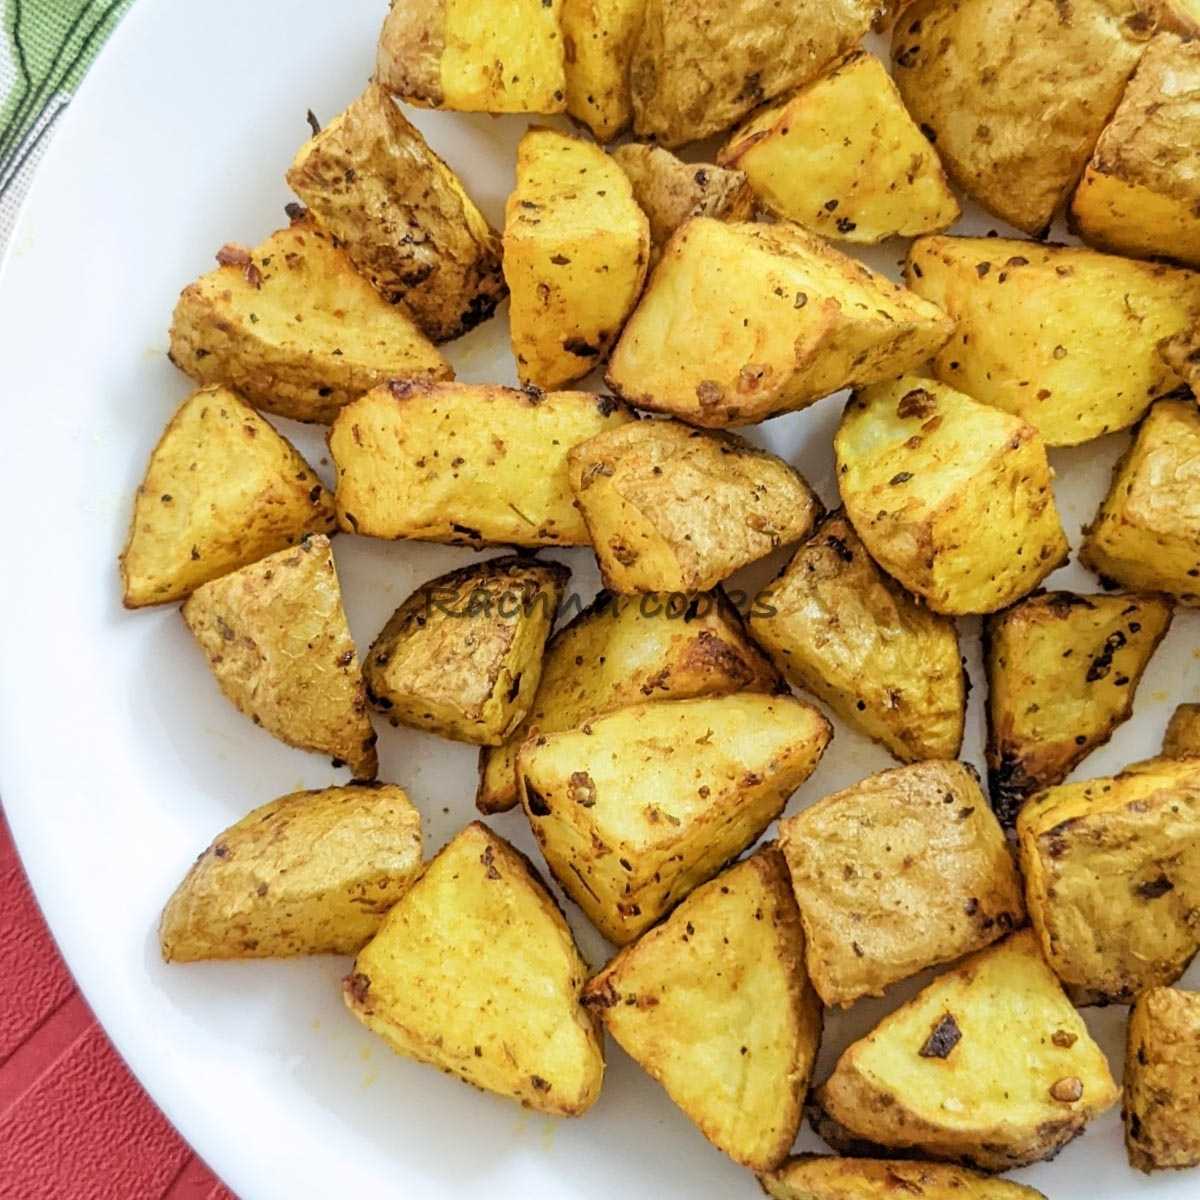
119 760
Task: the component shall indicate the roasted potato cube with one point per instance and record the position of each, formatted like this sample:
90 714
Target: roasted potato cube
900 872
222 489
576 250
402 215
714 1003
1112 878
820 1177
922 469
629 826
475 972
1062 336
837 626
295 329
1147 532
698 68
598 38
494 56
462 656
1014 93
621 651
278 643
1063 671
990 1065
741 322
309 873
1182 739
672 509
843 158
1162 1081
467 464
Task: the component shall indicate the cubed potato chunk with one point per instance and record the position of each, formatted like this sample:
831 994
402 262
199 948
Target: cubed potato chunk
673 509
598 38
475 972
843 158
221 490
714 1004
462 656
922 469
576 251
466 464
821 1177
1182 739
1062 336
837 626
310 873
276 638
637 807
990 1065
741 322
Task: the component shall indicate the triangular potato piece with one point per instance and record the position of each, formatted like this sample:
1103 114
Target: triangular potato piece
716 1005
277 640
821 1177
475 971
990 1065
221 490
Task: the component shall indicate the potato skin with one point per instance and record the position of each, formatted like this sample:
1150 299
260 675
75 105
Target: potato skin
462 656
598 37
820 1177
310 873
1182 739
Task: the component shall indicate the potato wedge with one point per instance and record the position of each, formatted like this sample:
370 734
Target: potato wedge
672 509
621 651
905 870
629 826
462 656
1063 671
221 490
310 873
990 1065
294 328
1139 832
277 641
821 1177
922 469
466 464
715 1005
576 250
741 322
1014 93
475 972
598 38
837 626
843 158
1061 336
1182 739
373 183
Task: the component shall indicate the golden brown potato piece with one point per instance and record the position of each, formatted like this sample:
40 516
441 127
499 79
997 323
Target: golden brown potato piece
714 1004
672 509
1162 1081
837 626
629 825
295 329
741 322
990 1066
598 37
843 158
922 469
820 1177
900 872
699 67
1182 739
462 656
576 249
1147 532
1014 93
466 464
277 640
1063 671
475 972
402 215
221 490
623 650
1182 354
309 873
1112 878
1064 337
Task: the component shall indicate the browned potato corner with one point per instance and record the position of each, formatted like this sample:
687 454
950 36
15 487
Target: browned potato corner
820 1177
1182 739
